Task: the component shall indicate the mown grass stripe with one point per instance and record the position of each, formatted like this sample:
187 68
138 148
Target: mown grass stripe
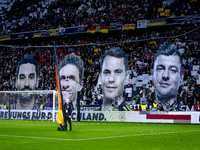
98 138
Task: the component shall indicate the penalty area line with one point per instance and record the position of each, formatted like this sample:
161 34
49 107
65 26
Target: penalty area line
99 138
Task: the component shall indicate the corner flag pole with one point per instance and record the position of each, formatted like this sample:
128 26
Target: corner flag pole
60 98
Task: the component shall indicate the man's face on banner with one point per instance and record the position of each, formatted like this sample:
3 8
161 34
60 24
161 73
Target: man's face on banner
26 80
69 77
113 77
167 75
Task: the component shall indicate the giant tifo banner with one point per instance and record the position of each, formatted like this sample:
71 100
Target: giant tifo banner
113 77
109 116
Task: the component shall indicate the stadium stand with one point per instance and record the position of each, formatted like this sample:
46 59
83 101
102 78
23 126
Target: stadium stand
23 15
139 47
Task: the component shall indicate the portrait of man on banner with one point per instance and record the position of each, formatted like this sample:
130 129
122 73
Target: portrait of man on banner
167 74
27 80
71 70
113 77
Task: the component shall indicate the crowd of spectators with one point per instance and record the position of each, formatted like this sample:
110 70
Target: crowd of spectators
136 51
73 13
23 16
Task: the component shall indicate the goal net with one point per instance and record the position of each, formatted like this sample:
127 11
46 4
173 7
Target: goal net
41 105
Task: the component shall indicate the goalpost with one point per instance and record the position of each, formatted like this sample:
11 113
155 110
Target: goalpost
30 100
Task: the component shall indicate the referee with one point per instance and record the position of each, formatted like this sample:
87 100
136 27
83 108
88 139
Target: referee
68 107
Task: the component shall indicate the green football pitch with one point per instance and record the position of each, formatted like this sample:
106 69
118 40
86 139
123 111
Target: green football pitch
35 135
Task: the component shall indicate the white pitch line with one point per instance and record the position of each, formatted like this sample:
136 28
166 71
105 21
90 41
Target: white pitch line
99 138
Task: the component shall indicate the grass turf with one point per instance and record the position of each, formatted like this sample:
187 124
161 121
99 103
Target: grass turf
36 135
